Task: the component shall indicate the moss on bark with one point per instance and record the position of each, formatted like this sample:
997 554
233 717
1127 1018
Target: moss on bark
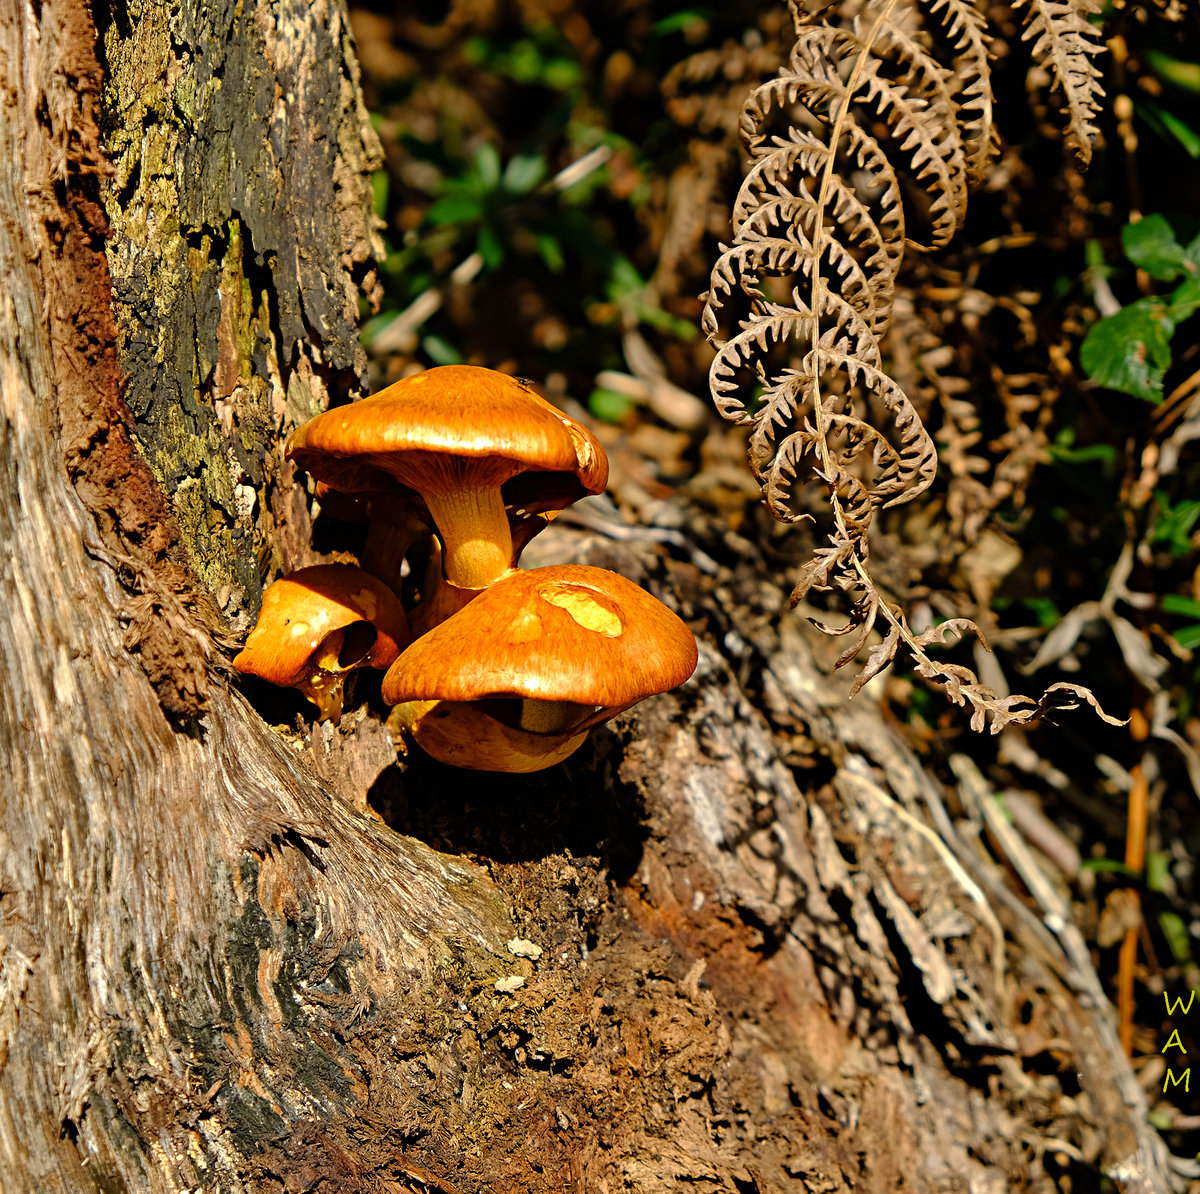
242 243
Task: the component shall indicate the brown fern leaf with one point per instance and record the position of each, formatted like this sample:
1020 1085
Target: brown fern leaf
1066 43
870 230
864 145
906 88
971 80
821 215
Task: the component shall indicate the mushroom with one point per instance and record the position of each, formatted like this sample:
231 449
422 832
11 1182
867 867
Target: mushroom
397 522
463 734
460 436
514 680
319 623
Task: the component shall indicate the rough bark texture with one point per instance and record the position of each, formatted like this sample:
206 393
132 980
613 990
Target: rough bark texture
175 969
242 239
770 959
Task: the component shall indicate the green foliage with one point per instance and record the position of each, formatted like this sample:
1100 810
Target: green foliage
610 405
1151 245
526 163
1169 126
1187 607
539 57
630 294
1131 349
481 201
1064 451
1174 524
1180 74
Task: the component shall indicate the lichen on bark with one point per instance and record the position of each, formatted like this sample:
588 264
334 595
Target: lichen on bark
242 244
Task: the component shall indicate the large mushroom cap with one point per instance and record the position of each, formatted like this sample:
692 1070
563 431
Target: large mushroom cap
459 410
566 633
302 610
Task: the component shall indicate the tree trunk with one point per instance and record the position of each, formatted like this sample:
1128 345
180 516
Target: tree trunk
767 959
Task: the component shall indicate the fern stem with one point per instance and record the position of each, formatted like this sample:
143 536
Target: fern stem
817 281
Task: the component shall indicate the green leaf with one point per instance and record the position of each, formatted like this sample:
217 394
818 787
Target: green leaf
1107 866
523 172
1167 124
1089 454
1184 75
624 282
376 324
1158 870
379 192
1151 245
441 352
1174 526
1176 603
490 247
550 251
524 62
462 210
678 22
1188 637
1044 609
1176 932
1130 351
664 321
609 405
1184 301
562 74
487 165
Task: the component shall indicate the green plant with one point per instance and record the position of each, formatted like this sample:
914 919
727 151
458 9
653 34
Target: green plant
1187 636
1130 350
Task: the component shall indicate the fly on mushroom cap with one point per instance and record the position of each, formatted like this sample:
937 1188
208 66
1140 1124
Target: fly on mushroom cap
550 652
319 623
457 434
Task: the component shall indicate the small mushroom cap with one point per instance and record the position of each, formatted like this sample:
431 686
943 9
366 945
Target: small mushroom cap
407 430
301 610
564 633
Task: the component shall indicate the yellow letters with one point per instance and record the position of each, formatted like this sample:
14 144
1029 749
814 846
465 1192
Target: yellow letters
1173 1040
1178 1007
1185 1078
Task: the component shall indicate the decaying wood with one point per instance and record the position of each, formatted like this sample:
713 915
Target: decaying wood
755 952
183 931
240 203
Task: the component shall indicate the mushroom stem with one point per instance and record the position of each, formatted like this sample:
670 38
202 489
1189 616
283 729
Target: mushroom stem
391 532
551 717
477 542
447 599
327 692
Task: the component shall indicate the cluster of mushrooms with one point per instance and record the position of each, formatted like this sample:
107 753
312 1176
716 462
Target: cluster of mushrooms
489 666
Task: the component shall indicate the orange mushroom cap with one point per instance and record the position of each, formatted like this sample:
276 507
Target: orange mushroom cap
318 623
567 633
458 435
458 410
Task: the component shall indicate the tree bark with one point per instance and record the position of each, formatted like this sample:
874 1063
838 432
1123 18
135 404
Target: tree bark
769 958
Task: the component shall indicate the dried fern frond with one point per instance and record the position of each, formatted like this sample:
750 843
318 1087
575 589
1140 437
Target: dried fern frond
863 147
1066 44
